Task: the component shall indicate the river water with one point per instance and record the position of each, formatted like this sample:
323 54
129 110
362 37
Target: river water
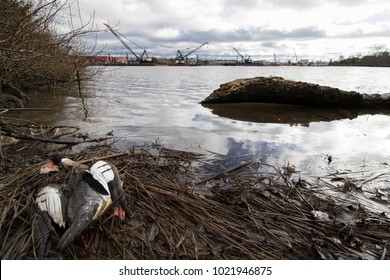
149 104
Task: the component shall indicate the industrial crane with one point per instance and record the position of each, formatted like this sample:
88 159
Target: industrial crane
299 62
243 60
181 59
140 59
276 61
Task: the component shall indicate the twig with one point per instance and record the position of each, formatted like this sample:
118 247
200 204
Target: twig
374 177
288 182
131 154
384 250
229 170
24 109
1 146
31 137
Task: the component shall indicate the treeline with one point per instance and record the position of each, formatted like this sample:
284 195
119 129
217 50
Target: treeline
379 59
34 49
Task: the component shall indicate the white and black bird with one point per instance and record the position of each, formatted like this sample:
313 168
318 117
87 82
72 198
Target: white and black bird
89 192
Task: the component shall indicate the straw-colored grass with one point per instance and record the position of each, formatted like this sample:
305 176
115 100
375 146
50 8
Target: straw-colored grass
179 211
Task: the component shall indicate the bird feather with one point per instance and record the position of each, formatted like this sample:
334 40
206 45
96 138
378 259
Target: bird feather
52 200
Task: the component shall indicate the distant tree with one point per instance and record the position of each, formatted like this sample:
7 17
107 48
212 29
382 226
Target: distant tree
380 59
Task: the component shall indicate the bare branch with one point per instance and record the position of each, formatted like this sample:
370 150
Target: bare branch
34 48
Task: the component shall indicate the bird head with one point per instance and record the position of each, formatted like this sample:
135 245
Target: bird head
56 161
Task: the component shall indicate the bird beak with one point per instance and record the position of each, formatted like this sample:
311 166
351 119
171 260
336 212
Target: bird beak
49 167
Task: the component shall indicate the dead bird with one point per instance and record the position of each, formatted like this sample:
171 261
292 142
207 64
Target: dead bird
90 191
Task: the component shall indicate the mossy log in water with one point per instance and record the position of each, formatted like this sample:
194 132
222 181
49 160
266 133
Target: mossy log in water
279 90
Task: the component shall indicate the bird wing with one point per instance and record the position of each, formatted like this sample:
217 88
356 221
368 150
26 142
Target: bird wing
52 200
99 186
81 222
118 198
118 193
103 171
98 176
85 205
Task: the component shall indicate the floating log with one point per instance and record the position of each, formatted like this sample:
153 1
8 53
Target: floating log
282 91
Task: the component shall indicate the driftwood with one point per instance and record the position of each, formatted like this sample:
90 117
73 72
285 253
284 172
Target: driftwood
281 91
24 130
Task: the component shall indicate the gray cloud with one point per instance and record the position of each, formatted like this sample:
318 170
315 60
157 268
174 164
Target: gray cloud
313 3
165 26
237 35
382 16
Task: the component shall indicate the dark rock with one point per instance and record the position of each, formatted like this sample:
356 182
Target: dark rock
281 91
12 97
10 101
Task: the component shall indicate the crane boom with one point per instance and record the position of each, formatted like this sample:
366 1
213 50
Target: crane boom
183 59
296 57
140 59
181 56
242 57
197 48
134 43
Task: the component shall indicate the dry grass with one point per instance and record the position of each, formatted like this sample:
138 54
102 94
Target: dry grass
249 211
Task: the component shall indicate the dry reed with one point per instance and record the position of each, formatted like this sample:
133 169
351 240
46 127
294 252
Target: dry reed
179 211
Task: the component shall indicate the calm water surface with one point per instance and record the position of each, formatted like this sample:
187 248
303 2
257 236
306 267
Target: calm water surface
148 104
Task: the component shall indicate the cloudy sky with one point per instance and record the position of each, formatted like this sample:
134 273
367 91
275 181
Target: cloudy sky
315 30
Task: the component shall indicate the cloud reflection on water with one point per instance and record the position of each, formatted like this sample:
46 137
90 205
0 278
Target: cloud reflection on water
148 104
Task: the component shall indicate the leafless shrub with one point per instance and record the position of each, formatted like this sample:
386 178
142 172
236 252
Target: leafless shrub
39 44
